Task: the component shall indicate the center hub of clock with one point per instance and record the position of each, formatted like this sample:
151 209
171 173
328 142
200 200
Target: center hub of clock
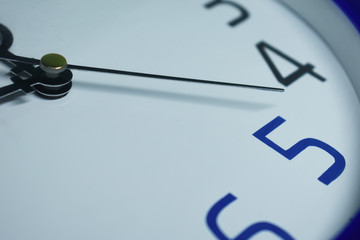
54 77
53 64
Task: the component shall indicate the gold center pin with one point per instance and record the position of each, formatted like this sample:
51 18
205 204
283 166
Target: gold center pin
53 64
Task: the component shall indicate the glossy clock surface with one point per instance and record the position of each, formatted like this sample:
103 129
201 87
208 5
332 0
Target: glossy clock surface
123 157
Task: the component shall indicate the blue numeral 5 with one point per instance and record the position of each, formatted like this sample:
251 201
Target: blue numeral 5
329 175
248 232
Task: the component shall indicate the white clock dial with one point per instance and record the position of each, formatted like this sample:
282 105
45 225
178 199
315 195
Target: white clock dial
123 157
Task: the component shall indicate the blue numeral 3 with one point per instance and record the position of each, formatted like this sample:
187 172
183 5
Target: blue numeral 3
214 212
333 172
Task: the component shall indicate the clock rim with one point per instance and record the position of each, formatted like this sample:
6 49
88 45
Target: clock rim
331 31
338 24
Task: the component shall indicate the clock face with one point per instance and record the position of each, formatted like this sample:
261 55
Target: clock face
124 157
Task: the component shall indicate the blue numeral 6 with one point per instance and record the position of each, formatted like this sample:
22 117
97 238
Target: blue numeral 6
211 220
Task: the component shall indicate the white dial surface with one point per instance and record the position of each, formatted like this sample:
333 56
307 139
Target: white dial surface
124 157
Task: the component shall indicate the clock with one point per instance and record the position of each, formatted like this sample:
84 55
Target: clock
114 156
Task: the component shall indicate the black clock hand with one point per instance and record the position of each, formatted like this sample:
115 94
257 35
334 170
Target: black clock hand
28 77
194 80
18 68
6 55
33 61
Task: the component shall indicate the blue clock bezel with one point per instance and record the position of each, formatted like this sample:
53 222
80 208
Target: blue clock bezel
351 8
351 231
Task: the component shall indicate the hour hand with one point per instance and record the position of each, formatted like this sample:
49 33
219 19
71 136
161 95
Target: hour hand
20 84
30 78
17 86
9 90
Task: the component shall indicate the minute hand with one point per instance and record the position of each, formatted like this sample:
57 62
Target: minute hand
139 74
149 75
